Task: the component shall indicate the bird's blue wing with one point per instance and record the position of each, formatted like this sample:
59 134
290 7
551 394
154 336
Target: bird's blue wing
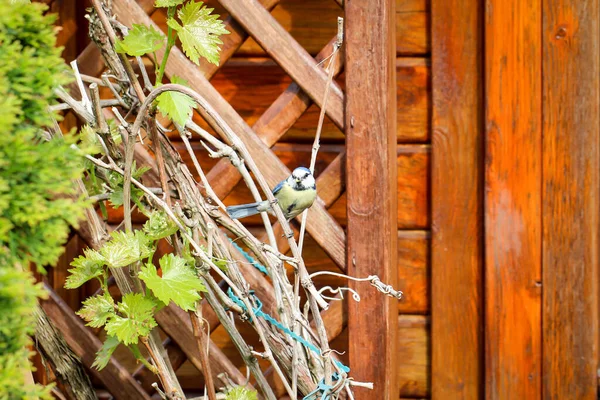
278 187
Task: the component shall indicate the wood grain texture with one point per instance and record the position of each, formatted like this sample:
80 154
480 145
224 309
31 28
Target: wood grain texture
412 188
312 23
252 87
456 276
371 187
414 271
83 342
292 57
413 356
322 226
571 65
513 178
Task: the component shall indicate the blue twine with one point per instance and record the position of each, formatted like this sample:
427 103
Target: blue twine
251 260
326 389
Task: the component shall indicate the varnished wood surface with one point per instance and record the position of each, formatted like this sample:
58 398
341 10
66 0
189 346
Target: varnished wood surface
570 88
371 188
513 179
292 57
313 22
457 212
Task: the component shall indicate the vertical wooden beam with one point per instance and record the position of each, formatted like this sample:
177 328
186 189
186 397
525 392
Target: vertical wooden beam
571 67
371 189
457 218
513 178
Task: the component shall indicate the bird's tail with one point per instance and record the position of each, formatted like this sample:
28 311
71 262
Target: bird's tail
246 210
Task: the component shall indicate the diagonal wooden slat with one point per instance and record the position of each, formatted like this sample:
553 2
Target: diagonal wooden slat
292 57
85 344
322 226
271 126
176 323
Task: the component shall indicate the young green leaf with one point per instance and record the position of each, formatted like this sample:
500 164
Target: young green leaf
97 310
89 141
159 226
140 40
178 283
168 3
116 184
137 319
199 32
242 393
103 355
87 267
175 105
126 248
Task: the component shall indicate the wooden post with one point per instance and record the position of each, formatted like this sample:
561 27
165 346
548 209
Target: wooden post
456 179
571 65
371 189
513 197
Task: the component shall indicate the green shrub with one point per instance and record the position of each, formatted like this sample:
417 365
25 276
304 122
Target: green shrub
36 180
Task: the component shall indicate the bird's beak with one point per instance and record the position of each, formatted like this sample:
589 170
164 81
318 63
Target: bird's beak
298 180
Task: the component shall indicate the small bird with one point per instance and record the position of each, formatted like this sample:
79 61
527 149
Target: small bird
294 194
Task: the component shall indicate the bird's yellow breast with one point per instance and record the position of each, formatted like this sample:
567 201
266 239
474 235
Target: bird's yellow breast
293 202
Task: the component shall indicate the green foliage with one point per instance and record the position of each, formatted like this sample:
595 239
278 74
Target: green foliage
168 3
179 282
199 31
87 267
116 182
30 59
18 296
36 176
242 393
126 248
140 40
97 310
176 105
103 356
159 226
135 318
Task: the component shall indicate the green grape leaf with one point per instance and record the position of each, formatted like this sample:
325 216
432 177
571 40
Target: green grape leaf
126 248
97 310
174 105
136 318
140 40
87 267
159 226
168 3
178 283
242 393
199 32
103 355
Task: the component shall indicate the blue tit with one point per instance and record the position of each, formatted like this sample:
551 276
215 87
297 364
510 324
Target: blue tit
294 194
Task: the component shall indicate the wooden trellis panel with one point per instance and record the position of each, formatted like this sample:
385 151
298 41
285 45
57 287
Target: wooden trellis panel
277 118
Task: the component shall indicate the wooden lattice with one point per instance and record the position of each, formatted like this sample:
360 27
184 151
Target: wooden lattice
248 18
